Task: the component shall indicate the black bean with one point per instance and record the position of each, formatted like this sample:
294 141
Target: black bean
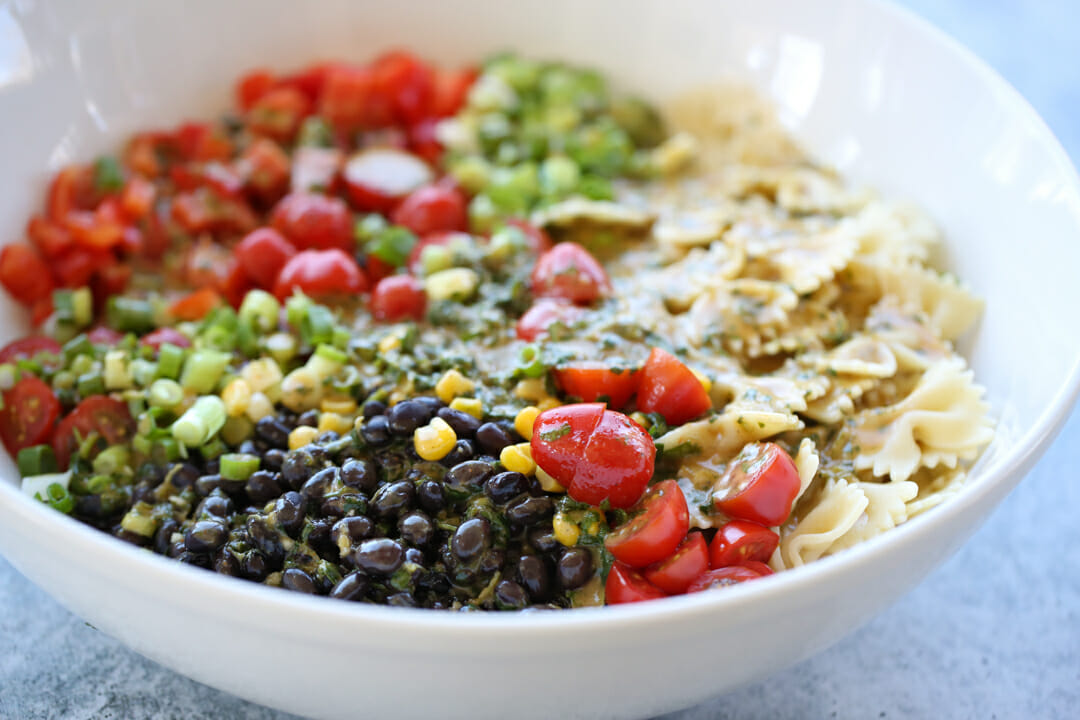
373 408
574 568
401 599
415 556
463 450
226 564
217 504
267 540
328 437
469 475
493 438
273 459
352 528
253 566
416 528
318 454
380 556
464 424
299 465
430 496
430 402
471 538
316 486
393 499
408 415
341 505
317 533
289 510
360 474
309 418
351 587
272 431
530 511
262 487
248 447
297 580
533 574
163 536
543 539
491 561
209 483
376 431
143 493
205 536
212 467
197 559
129 537
505 486
510 596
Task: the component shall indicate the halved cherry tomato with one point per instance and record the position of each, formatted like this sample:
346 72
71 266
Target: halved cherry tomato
310 80
237 284
203 142
196 305
544 313
431 209
671 389
592 381
656 531
538 240
315 169
560 436
253 86
739 541
71 189
264 170
102 335
398 297
759 567
27 347
760 485
408 82
626 585
24 274
423 141
262 253
101 229
314 222
568 271
723 577
29 412
159 337
101 414
617 465
451 90
278 113
48 236
675 573
320 273
378 179
75 267
350 100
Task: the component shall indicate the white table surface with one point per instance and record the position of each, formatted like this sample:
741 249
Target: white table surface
994 633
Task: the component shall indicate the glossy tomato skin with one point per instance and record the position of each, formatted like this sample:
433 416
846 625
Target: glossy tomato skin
759 567
670 388
101 414
29 413
319 273
675 573
102 335
723 577
539 242
593 381
398 297
760 485
560 436
262 254
28 347
407 82
314 222
544 313
570 272
740 541
656 531
195 305
379 178
617 464
431 209
278 113
24 274
169 335
627 585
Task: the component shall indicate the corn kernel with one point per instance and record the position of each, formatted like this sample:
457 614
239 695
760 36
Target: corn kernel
531 389
237 397
435 440
518 458
703 379
261 374
340 404
451 385
473 406
565 531
548 483
301 390
301 436
640 418
548 403
524 420
457 284
389 343
330 421
258 407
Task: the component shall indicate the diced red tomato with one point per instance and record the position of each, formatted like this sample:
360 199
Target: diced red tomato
314 222
423 141
759 567
71 189
102 335
315 169
195 305
206 264
27 347
252 86
310 80
108 417
723 577
236 285
409 84
163 335
319 273
156 238
592 381
568 271
432 209
351 101
538 240
29 413
670 388
278 113
263 169
656 531
24 274
75 268
739 541
675 573
627 585
378 179
40 311
398 297
376 269
48 236
202 142
451 90
137 198
204 210
544 313
760 485
262 253
217 176
150 153
101 229
109 280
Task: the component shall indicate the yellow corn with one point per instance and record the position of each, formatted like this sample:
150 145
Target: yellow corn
523 421
301 390
453 384
639 417
261 374
531 389
703 379
331 421
548 483
435 440
237 397
518 458
547 403
390 342
301 436
340 404
473 406
258 407
565 531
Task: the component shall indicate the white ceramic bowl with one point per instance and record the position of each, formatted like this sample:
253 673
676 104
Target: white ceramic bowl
871 89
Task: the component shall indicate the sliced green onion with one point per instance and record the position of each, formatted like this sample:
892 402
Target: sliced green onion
77 346
203 369
392 245
111 460
296 308
129 314
238 466
200 422
367 227
434 258
213 449
108 175
170 361
530 362
314 132
143 371
90 384
36 460
281 347
9 375
59 498
261 309
165 393
36 486
318 325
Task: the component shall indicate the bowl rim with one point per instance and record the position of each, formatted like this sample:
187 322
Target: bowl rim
200 586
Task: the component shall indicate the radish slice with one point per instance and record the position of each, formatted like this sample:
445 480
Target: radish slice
379 178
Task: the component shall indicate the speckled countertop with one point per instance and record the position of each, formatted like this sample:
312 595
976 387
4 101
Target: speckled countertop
994 633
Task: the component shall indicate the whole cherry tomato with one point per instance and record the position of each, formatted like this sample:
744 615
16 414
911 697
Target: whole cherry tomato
568 271
398 297
314 222
431 209
319 273
262 253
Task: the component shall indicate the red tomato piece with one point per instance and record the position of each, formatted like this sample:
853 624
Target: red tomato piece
398 297
378 179
314 222
204 210
723 577
408 82
544 313
351 101
102 335
236 285
98 230
319 273
656 531
71 189
560 436
568 271
538 240
150 153
108 281
27 347
315 169
195 305
740 541
592 381
101 414
50 237
159 337
29 413
432 209
75 268
675 573
206 264
310 80
451 90
253 86
376 269
760 485
617 464
203 142
670 388
40 311
278 113
626 585
423 141
759 567
24 274
262 253
137 198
